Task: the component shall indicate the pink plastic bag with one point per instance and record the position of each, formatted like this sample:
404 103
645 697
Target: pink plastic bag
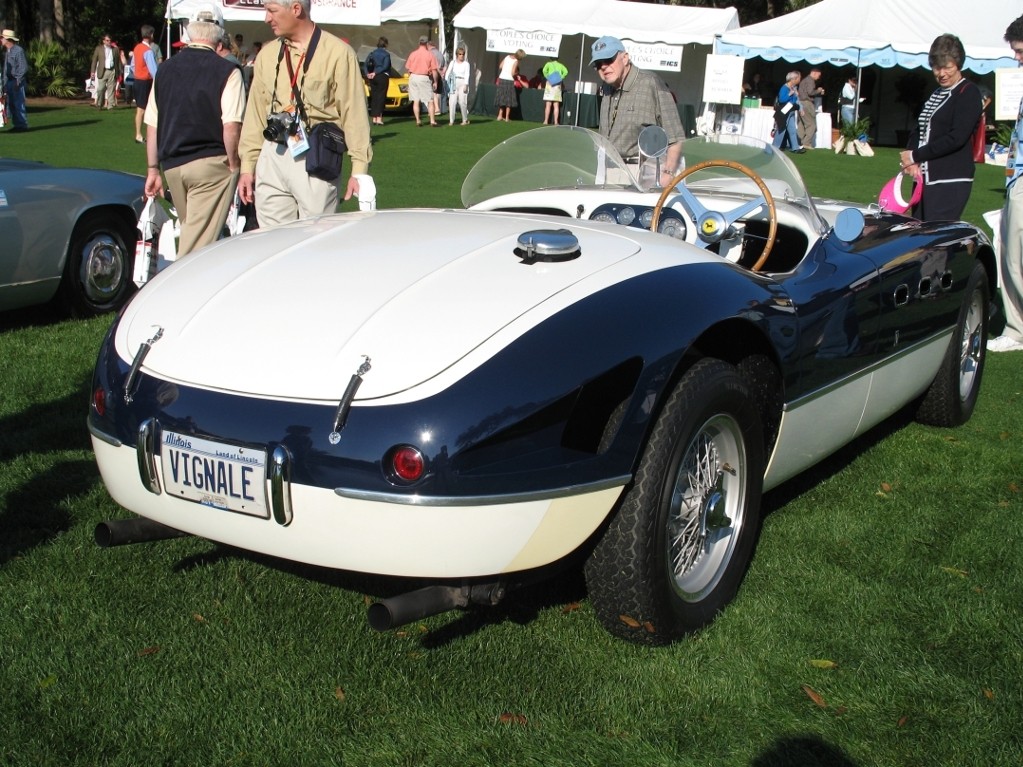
891 198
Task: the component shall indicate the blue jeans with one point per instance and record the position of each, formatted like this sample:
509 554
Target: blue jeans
790 131
847 111
16 103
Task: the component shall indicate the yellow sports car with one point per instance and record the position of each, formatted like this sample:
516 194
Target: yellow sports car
397 87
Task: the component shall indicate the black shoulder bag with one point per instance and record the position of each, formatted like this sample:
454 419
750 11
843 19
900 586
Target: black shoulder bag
327 145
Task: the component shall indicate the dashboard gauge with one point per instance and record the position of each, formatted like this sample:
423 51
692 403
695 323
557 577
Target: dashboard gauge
645 218
672 227
603 216
626 216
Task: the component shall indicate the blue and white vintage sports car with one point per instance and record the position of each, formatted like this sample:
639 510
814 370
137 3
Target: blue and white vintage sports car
68 235
468 398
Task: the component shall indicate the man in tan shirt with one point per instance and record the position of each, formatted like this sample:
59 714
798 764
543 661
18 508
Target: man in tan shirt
325 73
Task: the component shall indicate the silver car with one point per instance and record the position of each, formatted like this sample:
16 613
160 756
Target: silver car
66 235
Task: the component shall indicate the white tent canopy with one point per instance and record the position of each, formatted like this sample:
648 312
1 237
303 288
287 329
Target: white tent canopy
879 32
636 21
401 21
566 29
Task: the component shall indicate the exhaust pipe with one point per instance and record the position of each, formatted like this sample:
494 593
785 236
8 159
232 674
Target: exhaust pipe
120 532
432 600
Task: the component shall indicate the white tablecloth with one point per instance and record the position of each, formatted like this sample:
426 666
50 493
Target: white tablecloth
759 123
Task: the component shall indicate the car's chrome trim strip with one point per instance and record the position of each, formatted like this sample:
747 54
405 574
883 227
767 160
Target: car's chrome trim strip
484 500
825 390
102 435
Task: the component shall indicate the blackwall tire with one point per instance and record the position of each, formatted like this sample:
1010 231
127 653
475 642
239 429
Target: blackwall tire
677 548
98 271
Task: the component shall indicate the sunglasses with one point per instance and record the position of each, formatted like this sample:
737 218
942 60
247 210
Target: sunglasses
601 63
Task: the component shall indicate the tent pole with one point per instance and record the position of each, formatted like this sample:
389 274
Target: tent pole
582 58
859 84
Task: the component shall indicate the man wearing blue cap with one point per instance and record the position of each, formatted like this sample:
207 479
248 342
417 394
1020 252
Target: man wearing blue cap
633 99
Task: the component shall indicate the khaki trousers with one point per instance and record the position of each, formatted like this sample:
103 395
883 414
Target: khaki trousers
285 192
106 89
807 124
202 192
1011 256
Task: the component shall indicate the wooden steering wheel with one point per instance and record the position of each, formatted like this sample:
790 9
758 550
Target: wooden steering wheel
713 226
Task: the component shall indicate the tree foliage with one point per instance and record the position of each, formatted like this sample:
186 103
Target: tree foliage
79 25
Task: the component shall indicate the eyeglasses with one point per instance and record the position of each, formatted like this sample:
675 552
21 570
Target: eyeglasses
601 63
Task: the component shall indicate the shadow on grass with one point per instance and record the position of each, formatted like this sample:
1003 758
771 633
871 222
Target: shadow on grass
30 317
48 427
521 604
57 126
34 514
802 751
836 462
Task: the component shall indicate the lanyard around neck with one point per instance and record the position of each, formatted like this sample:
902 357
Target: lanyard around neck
293 73
303 61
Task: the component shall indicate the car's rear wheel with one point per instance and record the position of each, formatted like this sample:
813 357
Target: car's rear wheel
953 393
680 542
97 273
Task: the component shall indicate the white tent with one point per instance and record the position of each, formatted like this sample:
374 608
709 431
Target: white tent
885 34
677 35
879 32
400 21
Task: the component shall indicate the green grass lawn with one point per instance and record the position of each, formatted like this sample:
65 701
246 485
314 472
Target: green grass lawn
881 622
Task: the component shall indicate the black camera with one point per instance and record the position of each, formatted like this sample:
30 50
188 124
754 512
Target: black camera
280 126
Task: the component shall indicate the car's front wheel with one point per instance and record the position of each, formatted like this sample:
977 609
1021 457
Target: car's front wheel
680 542
97 274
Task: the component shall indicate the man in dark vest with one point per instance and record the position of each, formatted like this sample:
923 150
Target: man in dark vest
193 121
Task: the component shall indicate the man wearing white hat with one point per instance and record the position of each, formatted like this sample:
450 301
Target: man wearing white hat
193 122
15 72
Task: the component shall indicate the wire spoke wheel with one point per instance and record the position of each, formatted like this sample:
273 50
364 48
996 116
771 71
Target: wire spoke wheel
678 545
705 512
972 339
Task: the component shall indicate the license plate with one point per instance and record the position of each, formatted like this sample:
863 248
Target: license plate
214 473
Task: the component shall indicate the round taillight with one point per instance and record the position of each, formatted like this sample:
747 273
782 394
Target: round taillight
407 463
99 401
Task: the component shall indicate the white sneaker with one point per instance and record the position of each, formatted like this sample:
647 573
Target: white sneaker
1004 344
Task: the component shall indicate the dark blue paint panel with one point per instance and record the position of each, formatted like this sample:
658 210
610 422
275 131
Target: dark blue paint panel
503 428
533 417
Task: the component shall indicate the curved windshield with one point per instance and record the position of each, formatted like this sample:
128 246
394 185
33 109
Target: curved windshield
561 157
567 157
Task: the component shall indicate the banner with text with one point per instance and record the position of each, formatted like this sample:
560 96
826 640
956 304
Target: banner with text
355 12
722 80
533 43
666 58
1008 92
